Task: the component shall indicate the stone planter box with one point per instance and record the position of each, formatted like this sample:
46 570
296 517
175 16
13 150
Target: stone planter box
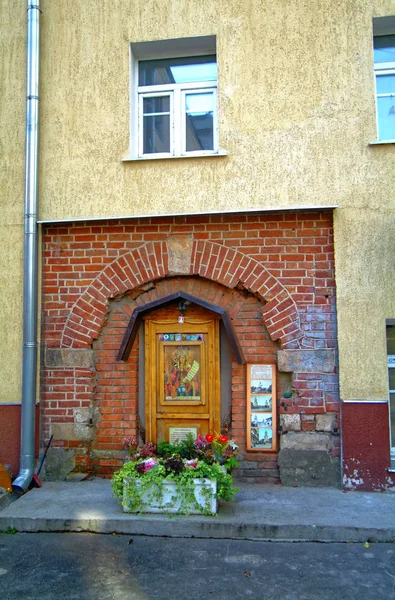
169 503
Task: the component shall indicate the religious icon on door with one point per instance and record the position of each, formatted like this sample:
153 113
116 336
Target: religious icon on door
182 372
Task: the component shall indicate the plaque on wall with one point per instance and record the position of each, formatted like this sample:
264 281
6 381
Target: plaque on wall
261 408
178 434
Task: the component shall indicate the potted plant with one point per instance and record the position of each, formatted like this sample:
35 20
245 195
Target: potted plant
188 477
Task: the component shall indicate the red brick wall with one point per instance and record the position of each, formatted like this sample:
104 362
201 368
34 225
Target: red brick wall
279 269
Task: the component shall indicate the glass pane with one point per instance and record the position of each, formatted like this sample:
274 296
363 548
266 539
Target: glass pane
384 48
156 134
199 122
156 104
386 117
199 103
182 372
390 339
385 84
391 377
178 70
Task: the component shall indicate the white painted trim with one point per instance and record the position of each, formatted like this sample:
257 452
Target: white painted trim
381 142
171 87
170 113
362 401
203 153
177 93
190 214
183 116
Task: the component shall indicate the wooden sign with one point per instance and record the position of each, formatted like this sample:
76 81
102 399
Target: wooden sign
261 408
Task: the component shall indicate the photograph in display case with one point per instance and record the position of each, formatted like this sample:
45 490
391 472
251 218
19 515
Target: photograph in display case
261 438
261 408
262 403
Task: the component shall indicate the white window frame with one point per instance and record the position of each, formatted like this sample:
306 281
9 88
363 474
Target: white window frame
141 120
382 26
184 92
175 48
382 69
177 92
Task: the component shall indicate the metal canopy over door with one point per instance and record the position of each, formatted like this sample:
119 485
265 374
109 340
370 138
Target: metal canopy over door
182 381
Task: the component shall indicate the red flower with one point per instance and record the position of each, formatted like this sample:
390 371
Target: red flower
209 438
223 439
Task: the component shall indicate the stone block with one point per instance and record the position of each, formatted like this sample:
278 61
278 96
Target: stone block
306 361
72 431
290 422
248 464
179 254
326 422
82 415
58 464
69 357
307 440
308 468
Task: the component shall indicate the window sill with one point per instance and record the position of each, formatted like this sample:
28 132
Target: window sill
381 142
145 158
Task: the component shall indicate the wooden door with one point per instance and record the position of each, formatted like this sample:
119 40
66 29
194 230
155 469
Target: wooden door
182 382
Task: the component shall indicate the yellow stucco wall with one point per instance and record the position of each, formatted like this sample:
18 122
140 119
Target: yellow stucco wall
12 139
296 115
294 133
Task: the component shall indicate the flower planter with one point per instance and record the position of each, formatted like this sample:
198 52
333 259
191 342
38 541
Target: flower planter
167 499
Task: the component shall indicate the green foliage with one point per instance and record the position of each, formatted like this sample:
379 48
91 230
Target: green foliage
166 449
143 487
230 464
10 531
185 448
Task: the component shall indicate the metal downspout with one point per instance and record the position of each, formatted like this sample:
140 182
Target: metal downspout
30 281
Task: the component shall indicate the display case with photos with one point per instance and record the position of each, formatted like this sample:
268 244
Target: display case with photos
261 408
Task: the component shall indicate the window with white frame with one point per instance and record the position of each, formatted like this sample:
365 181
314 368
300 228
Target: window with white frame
384 71
174 109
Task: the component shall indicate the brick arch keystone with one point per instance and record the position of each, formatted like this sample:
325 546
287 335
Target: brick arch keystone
209 260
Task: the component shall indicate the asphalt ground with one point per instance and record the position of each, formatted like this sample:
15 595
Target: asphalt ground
118 567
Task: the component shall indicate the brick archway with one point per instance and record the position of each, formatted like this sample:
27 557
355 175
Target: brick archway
158 260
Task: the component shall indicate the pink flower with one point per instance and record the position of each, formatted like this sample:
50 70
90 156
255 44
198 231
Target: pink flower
200 442
148 464
191 463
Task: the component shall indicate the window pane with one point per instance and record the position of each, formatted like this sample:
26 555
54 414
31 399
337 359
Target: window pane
384 48
390 339
156 134
391 376
385 84
386 117
156 104
178 70
199 122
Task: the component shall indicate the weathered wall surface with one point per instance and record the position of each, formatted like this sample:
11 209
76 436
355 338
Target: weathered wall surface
296 115
294 133
273 274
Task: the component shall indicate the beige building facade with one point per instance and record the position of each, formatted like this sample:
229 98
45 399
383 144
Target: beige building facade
295 133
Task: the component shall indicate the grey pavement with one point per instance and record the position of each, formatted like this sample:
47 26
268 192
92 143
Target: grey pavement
73 566
259 512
